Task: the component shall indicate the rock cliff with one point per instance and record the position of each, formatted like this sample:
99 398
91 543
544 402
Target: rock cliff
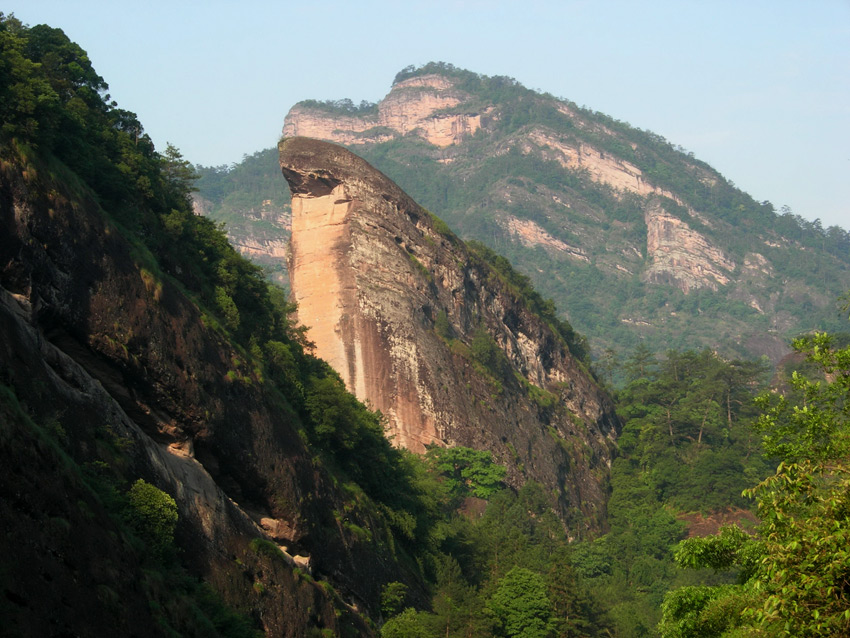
426 331
681 256
416 105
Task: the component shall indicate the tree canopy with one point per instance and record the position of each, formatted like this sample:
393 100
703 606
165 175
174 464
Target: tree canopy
796 569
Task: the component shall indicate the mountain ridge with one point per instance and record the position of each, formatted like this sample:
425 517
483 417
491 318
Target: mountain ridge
567 194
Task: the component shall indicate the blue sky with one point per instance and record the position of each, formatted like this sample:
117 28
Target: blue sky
758 89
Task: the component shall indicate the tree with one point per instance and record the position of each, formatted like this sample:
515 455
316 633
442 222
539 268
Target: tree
393 596
521 605
153 514
467 471
805 507
407 624
179 172
795 578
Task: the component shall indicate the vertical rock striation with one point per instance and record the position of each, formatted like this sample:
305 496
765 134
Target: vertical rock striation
424 330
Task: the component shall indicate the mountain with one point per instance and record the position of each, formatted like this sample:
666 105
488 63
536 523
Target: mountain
161 468
450 344
636 240
252 200
175 460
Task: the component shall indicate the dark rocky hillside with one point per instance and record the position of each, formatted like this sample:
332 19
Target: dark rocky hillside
175 460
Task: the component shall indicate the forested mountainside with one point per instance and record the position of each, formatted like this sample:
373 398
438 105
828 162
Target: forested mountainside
675 254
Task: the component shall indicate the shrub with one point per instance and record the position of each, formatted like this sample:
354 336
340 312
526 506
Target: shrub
153 514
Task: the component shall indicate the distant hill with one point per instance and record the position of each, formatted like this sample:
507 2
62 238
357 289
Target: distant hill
634 239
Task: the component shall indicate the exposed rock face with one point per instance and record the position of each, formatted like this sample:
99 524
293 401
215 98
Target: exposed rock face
680 255
677 254
602 167
531 234
412 105
400 307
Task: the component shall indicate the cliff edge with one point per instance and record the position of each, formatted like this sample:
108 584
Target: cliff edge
444 344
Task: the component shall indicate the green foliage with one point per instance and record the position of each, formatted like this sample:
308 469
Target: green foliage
342 107
686 445
55 103
688 426
817 430
521 605
442 326
795 572
393 596
486 352
805 506
153 514
730 548
442 227
467 471
514 560
420 267
408 624
701 611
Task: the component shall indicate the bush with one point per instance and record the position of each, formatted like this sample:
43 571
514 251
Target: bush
153 514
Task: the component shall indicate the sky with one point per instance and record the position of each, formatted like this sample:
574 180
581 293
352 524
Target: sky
758 89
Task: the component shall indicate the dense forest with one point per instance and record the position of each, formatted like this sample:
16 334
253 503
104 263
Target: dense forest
476 558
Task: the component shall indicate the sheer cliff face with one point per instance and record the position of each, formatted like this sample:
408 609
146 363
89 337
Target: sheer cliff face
681 256
397 306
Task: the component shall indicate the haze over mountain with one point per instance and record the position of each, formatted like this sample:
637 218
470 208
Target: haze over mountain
635 240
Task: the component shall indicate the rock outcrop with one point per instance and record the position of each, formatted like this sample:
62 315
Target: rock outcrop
417 104
681 256
427 332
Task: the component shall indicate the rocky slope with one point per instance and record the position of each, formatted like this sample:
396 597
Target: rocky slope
674 254
430 334
110 372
